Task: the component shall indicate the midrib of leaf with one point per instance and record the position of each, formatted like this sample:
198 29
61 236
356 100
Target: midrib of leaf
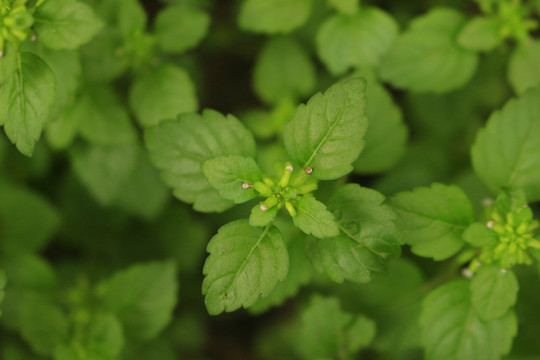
20 84
312 216
433 219
519 159
325 137
462 337
247 258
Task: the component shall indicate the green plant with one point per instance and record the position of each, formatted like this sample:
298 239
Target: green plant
366 187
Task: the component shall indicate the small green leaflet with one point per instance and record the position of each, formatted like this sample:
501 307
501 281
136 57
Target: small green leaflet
494 291
161 93
524 66
233 176
245 263
326 133
427 58
433 219
345 41
143 298
65 24
327 332
273 16
479 235
26 97
451 328
505 153
368 236
180 27
480 34
262 218
313 218
28 271
179 147
386 136
283 70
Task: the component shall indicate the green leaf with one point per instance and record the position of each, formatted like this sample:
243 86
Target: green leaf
299 274
62 128
426 58
28 271
245 263
347 7
480 34
65 24
143 194
179 27
326 133
283 70
368 236
131 17
102 119
3 281
8 63
262 218
26 98
105 337
27 219
162 93
143 298
179 147
273 16
433 219
345 41
479 235
313 218
386 136
494 291
43 326
524 66
103 169
231 176
505 153
451 329
327 332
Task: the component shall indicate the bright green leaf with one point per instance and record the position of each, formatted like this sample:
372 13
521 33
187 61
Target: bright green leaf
480 34
479 235
327 332
326 133
433 219
345 41
103 169
386 135
26 98
143 298
65 24
258 217
162 93
368 236
313 218
8 63
179 28
245 263
426 58
232 176
273 16
524 67
347 7
451 329
494 291
505 153
179 147
283 70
